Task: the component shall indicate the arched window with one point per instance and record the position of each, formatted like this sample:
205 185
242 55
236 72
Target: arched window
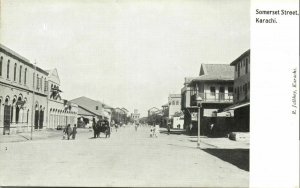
20 74
7 69
41 83
37 82
33 81
25 74
15 70
173 102
45 85
1 59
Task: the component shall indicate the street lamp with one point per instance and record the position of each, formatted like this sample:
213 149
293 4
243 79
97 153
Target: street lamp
199 104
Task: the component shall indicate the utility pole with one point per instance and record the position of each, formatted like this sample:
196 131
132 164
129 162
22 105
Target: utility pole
33 107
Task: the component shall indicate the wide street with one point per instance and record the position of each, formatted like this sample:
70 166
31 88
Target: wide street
128 158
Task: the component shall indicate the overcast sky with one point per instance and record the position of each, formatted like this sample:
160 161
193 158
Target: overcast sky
130 54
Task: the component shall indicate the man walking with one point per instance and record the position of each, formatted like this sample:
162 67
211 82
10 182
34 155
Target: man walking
74 132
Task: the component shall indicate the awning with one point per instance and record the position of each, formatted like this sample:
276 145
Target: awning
235 106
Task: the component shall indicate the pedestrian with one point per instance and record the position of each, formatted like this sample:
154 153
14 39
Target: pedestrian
69 131
169 128
136 126
211 128
74 132
156 130
191 127
151 131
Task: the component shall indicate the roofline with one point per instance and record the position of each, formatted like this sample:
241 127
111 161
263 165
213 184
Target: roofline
240 57
17 56
213 80
89 110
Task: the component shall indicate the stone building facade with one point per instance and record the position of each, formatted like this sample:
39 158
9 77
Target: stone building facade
24 91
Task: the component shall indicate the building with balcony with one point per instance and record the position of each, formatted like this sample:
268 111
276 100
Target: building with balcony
215 87
241 94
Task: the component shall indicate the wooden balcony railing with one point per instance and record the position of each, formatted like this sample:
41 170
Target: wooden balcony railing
212 97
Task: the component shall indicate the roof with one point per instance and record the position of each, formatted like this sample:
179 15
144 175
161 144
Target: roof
165 105
187 80
89 105
17 56
124 109
175 95
247 53
215 72
153 108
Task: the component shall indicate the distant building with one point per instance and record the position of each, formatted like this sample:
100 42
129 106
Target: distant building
120 115
135 116
152 111
174 101
89 109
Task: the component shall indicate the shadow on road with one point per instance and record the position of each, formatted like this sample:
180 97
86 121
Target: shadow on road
237 157
97 137
174 132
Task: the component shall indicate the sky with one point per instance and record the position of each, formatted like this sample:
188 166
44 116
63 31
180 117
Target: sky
130 54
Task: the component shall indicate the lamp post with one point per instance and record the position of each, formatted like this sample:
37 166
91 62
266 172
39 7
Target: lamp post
199 100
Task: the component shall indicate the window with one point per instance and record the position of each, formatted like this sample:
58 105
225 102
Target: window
33 79
41 83
239 70
235 90
97 107
212 91
173 102
7 75
46 85
15 70
246 66
177 102
230 89
25 74
37 82
20 74
1 65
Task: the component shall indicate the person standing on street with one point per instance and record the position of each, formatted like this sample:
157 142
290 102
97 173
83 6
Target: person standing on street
74 132
191 127
136 126
168 127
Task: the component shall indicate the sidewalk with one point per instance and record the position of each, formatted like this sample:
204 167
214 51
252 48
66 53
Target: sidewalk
36 135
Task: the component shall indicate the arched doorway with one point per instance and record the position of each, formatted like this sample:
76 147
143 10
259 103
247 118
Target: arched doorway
7 115
36 117
41 118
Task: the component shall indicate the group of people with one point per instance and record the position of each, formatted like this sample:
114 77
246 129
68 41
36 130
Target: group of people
69 131
154 130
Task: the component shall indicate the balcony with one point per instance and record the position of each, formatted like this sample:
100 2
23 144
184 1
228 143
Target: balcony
212 98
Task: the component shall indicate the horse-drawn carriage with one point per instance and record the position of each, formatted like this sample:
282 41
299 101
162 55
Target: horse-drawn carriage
102 126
